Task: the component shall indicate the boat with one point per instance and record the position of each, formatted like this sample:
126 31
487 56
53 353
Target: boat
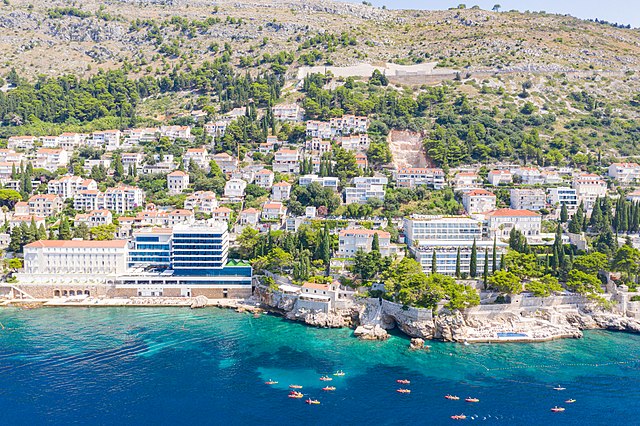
312 401
295 394
326 378
452 397
403 381
270 382
557 409
403 391
329 388
459 417
469 399
559 388
339 373
295 386
570 401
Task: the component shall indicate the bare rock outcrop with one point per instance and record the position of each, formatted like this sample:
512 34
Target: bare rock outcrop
369 332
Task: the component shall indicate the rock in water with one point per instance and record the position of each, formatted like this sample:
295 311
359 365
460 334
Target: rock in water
199 302
368 332
416 343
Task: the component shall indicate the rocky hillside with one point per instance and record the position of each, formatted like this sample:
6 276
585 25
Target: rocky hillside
54 37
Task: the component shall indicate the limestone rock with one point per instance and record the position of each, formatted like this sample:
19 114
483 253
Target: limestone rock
367 332
416 343
199 302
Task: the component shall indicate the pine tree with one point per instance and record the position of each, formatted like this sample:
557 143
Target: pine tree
473 264
15 244
575 226
64 232
564 213
375 244
118 167
596 216
42 233
434 261
458 263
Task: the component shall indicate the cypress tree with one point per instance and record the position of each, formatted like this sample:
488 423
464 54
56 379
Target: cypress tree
494 265
596 216
375 244
15 244
502 262
575 226
473 264
458 263
434 261
564 213
485 272
64 233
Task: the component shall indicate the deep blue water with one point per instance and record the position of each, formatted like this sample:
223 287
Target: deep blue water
174 366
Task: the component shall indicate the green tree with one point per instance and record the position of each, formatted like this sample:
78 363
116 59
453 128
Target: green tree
434 263
544 286
564 213
473 263
505 282
458 263
591 263
64 231
375 244
522 265
583 283
577 221
81 231
626 260
15 243
103 232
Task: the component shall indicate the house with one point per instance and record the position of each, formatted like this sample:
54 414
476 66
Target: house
500 222
217 129
634 196
326 181
281 191
226 162
352 240
563 195
202 201
94 218
45 205
499 177
466 180
288 112
51 159
175 132
588 188
121 199
132 160
68 186
221 214
527 199
250 217
273 210
21 208
348 124
529 175
100 162
319 146
134 137
478 201
21 142
551 177
419 228
177 181
234 188
70 141
362 161
625 172
286 161
86 199
198 155
264 179
50 141
359 142
270 145
19 220
365 189
318 129
109 139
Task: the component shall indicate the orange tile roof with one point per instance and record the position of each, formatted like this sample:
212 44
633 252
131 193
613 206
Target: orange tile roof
512 212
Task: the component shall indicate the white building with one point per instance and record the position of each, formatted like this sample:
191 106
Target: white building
202 201
414 176
288 112
121 199
94 218
70 141
132 160
634 196
281 191
478 201
226 162
326 181
175 132
419 228
529 175
234 188
588 188
217 129
348 124
359 142
527 199
625 172
318 129
365 188
109 139
564 195
286 161
96 260
352 240
51 159
250 217
45 205
447 252
466 180
198 155
500 222
21 142
498 177
177 182
273 210
68 186
264 179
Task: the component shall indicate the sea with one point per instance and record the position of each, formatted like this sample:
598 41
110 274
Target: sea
174 366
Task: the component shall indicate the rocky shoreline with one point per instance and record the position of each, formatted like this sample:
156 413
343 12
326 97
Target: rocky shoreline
372 323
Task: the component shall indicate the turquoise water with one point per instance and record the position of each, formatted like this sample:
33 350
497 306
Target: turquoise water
178 366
